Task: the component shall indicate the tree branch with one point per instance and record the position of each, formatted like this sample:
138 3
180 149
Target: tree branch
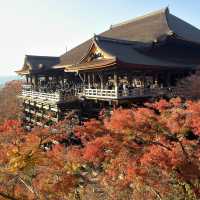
7 196
30 188
139 140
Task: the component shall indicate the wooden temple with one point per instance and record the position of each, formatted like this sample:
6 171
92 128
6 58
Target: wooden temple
135 60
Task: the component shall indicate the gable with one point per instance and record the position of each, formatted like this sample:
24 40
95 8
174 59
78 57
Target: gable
95 53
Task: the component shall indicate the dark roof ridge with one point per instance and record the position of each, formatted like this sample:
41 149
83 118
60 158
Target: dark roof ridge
167 13
163 10
36 56
115 40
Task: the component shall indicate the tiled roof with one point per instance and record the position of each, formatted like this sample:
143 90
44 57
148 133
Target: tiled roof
128 53
38 63
148 28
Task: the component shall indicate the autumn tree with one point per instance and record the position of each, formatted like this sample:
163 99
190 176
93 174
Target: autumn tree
188 87
9 103
150 152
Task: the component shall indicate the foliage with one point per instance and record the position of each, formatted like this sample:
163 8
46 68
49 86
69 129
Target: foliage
9 104
151 152
188 87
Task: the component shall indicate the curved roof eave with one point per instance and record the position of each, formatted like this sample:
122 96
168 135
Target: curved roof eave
182 30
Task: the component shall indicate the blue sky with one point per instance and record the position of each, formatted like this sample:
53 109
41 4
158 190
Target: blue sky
47 27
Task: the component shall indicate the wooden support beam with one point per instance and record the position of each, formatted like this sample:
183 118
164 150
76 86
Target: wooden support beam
144 79
82 77
27 79
100 74
35 82
93 79
129 78
89 81
31 80
116 82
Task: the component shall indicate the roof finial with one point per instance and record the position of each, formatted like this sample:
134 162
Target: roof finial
95 36
167 9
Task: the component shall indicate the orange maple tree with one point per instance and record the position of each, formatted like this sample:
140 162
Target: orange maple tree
150 152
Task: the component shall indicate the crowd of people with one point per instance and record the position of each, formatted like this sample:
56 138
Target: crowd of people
68 87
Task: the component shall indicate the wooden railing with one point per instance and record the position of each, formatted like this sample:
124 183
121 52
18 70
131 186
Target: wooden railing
143 92
41 95
27 87
58 96
122 94
99 93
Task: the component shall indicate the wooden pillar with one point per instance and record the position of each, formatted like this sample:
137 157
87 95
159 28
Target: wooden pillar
116 82
57 79
100 74
35 82
89 83
31 80
93 79
129 78
62 80
102 81
84 79
144 79
46 79
156 79
27 79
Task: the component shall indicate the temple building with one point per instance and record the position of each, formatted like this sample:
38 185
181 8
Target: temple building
133 61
